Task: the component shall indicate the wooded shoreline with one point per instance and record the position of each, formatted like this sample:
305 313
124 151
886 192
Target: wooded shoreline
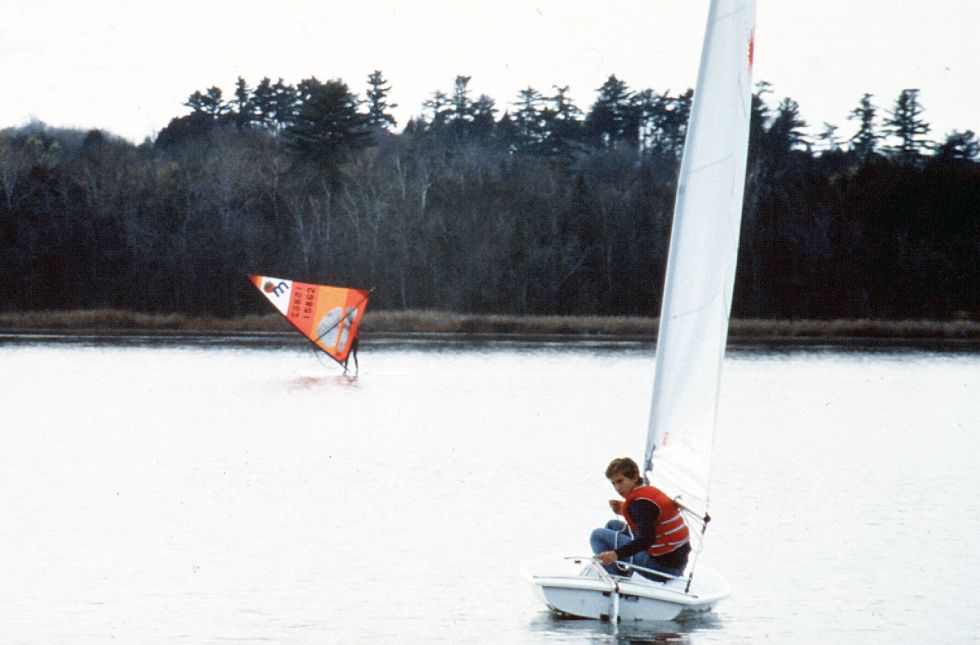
529 215
382 323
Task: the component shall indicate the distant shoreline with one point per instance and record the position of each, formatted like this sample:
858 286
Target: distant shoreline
430 324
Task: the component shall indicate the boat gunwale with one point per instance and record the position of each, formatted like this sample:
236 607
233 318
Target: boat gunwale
628 587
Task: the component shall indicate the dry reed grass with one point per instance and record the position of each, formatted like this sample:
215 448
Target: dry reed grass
118 321
109 321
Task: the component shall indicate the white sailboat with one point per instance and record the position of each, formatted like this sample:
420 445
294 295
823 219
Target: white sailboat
693 330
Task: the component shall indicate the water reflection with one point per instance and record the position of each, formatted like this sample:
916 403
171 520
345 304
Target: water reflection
647 633
319 382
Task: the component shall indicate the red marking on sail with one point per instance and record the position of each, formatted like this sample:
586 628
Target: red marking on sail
751 48
328 316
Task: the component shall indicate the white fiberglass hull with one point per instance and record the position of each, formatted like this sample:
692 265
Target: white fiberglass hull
585 595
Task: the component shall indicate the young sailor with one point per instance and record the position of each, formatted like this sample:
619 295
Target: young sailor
660 538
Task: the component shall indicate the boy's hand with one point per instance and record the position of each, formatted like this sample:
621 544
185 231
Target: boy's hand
616 505
607 557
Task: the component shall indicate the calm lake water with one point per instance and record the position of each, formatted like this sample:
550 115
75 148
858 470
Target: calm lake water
217 491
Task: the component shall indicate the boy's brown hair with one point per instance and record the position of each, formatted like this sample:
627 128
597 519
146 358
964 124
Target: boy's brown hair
623 466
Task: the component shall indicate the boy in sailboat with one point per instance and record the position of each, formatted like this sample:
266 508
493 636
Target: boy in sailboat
654 534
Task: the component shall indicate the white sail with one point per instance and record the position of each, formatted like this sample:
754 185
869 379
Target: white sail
701 264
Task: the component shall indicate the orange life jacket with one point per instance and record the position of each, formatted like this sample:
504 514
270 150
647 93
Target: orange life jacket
671 531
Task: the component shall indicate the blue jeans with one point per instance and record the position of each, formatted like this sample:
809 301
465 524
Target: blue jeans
616 534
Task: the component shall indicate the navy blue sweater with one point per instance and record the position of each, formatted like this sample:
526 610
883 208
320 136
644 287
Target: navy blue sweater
645 515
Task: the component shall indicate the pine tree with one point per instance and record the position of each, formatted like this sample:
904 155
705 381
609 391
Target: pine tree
285 104
565 110
864 143
461 113
828 137
263 103
613 119
959 146
785 133
759 120
462 105
440 107
673 124
243 113
481 130
377 102
328 125
210 103
506 133
905 124
562 124
528 122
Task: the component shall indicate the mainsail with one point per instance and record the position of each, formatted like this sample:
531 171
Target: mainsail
701 265
328 316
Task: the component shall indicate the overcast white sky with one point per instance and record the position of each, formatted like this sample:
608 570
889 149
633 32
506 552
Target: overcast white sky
127 66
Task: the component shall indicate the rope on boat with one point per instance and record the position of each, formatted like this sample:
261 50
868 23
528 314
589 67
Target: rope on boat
700 545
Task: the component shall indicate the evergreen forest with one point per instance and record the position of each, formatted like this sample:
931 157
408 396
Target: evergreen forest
532 207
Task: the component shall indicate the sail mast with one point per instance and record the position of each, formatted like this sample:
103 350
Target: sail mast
702 258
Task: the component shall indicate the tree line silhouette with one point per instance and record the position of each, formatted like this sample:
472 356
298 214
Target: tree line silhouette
535 208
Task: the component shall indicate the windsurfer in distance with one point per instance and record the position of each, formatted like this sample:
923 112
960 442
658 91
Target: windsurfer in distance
353 354
654 534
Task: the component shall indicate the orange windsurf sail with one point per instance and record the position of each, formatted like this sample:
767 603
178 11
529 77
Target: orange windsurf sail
328 316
